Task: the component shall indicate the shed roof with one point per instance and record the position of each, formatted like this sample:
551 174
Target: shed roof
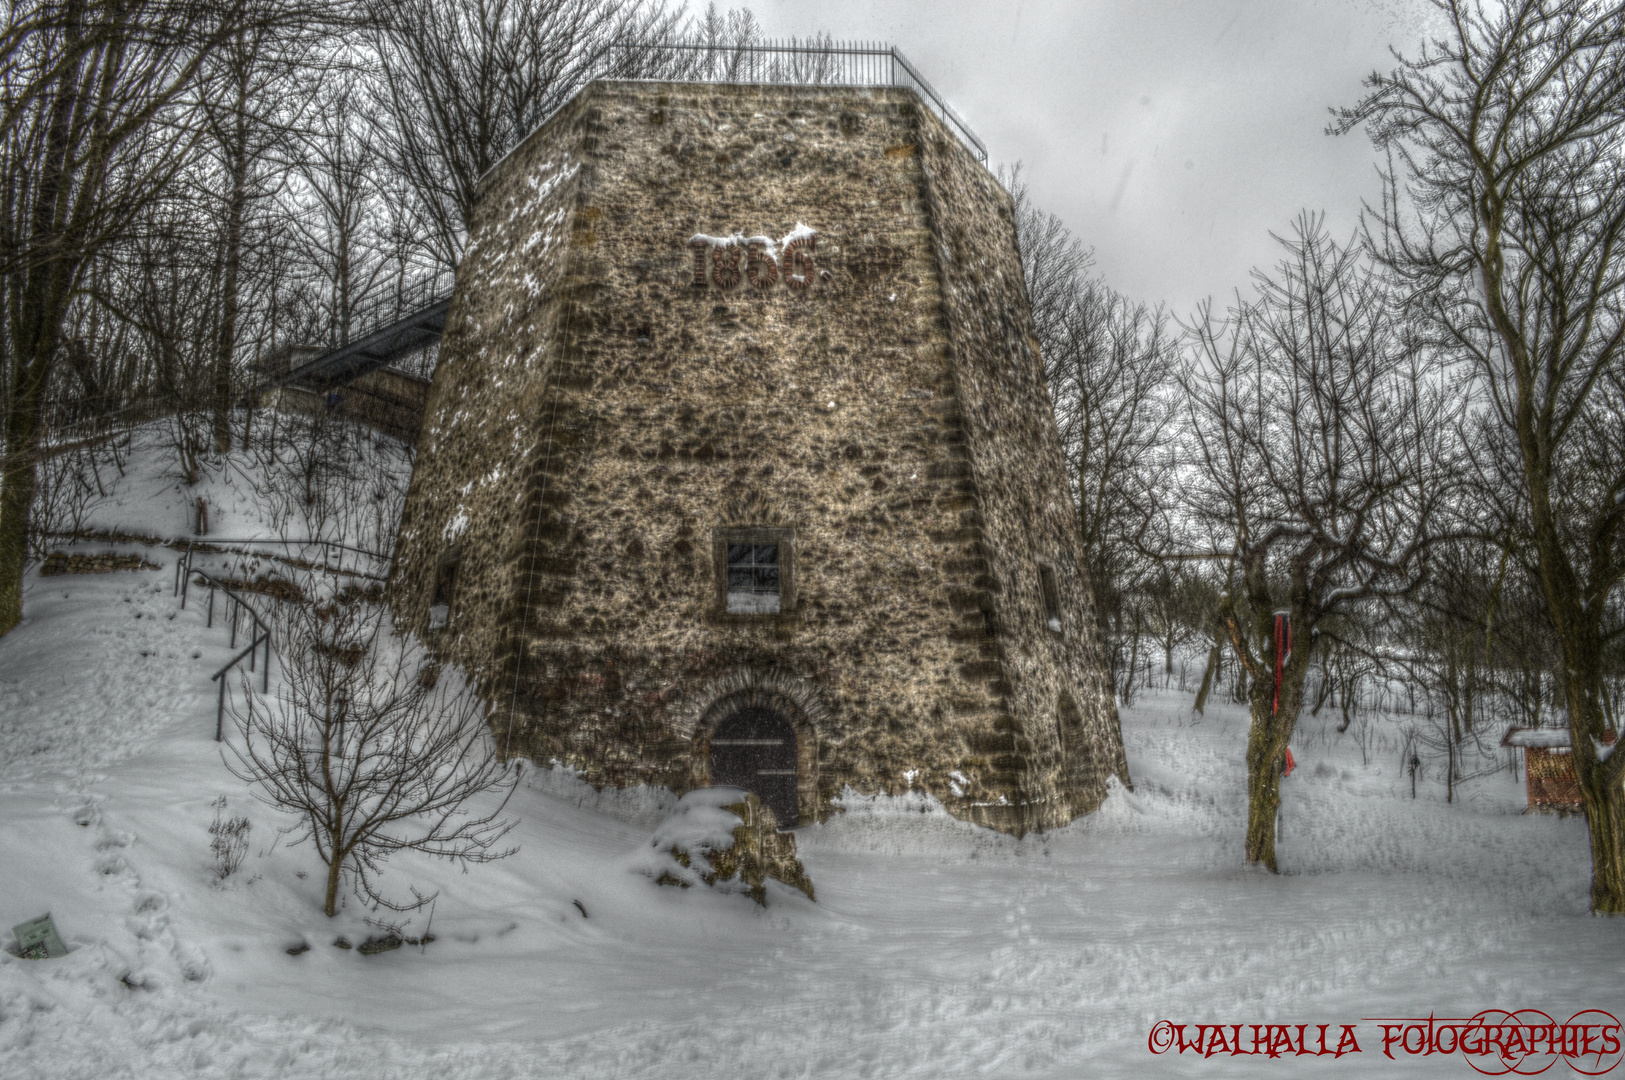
1546 738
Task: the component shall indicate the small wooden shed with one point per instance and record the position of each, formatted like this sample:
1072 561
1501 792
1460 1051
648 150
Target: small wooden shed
1548 768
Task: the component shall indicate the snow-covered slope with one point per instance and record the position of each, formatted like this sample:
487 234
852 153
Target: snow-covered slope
357 479
935 948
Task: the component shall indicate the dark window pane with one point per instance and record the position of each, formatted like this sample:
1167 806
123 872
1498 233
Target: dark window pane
738 554
767 554
767 579
738 578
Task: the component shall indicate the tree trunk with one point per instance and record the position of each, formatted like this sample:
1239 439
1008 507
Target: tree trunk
1321 691
36 333
226 346
1266 752
1601 779
1263 793
1207 678
331 907
16 496
1274 715
1133 662
1605 816
1577 620
37 298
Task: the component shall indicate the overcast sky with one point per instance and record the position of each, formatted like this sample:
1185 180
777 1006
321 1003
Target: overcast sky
1171 137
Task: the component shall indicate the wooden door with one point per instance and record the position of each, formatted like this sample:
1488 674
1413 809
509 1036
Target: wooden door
755 749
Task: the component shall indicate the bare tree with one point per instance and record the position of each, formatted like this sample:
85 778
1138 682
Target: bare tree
161 281
68 483
370 750
1445 629
244 113
94 128
1506 214
462 83
1321 451
1109 365
1054 264
339 218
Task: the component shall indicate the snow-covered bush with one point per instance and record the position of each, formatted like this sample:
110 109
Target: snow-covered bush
228 840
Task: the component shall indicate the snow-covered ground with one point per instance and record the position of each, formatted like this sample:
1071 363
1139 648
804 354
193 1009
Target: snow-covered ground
934 948
358 479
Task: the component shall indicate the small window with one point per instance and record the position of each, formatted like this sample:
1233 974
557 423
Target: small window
1068 722
445 593
1052 596
754 572
753 579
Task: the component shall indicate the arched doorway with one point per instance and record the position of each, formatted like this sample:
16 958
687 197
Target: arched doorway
755 748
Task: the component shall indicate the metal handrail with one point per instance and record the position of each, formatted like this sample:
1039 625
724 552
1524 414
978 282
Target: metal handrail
384 332
186 573
393 305
261 636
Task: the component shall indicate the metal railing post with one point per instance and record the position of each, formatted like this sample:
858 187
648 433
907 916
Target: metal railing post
261 636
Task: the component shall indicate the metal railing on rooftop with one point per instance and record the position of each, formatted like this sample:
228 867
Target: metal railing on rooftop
803 63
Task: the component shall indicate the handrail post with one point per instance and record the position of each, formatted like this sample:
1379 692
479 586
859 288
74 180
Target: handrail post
210 623
265 685
220 711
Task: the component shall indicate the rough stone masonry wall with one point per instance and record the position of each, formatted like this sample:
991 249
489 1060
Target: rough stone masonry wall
674 410
1064 729
486 425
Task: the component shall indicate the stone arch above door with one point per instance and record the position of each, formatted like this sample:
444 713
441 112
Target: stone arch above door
770 692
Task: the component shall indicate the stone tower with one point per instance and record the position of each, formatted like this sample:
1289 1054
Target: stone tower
739 466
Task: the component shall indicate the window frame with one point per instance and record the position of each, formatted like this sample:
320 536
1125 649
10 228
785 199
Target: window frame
753 534
451 561
1049 596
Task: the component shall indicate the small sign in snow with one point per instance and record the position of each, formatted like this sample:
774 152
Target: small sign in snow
37 939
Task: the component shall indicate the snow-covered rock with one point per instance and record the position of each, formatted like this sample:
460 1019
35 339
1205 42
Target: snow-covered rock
726 838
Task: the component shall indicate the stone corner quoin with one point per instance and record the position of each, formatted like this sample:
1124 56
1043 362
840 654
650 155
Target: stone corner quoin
739 467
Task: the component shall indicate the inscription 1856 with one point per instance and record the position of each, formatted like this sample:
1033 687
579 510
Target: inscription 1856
723 262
